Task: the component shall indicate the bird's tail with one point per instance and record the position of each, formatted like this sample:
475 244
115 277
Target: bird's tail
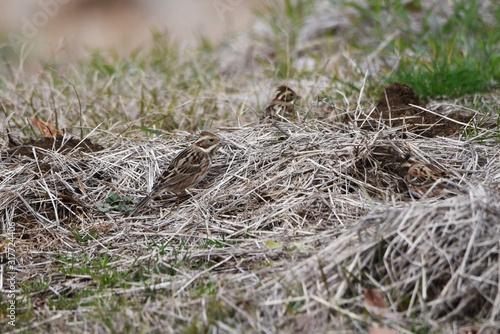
142 203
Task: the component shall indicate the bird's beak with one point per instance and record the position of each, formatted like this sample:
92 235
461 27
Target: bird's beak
406 164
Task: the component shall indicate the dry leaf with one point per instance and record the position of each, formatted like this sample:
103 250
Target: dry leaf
374 298
69 199
47 129
273 245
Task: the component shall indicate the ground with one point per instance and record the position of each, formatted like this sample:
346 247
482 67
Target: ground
314 232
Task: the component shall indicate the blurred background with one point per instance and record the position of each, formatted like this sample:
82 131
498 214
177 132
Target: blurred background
67 28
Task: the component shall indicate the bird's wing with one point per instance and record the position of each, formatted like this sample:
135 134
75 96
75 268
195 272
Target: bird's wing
184 165
425 174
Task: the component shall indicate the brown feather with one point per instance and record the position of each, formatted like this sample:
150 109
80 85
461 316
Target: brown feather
426 180
187 168
282 103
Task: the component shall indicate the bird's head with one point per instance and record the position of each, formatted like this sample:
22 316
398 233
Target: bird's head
286 95
208 142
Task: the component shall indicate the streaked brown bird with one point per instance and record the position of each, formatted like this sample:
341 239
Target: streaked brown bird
186 169
282 104
427 180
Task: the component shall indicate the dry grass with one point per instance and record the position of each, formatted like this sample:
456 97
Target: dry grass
283 234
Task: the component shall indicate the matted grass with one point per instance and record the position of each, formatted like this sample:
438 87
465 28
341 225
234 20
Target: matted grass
284 234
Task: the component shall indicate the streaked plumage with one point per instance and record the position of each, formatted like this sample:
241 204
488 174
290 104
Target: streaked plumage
427 180
186 169
282 104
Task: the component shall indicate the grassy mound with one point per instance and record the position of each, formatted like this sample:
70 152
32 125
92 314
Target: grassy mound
311 232
295 229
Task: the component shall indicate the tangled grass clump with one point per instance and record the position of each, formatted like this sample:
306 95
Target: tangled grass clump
294 229
436 265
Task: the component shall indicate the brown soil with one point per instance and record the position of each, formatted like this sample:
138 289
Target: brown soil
60 143
43 148
394 110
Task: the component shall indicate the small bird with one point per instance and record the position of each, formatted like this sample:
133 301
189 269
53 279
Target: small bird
282 104
186 169
427 180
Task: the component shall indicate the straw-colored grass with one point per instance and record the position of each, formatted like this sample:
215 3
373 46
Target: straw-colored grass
283 233
314 232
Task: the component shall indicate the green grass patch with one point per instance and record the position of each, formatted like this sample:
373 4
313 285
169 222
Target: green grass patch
116 202
439 59
286 24
445 79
